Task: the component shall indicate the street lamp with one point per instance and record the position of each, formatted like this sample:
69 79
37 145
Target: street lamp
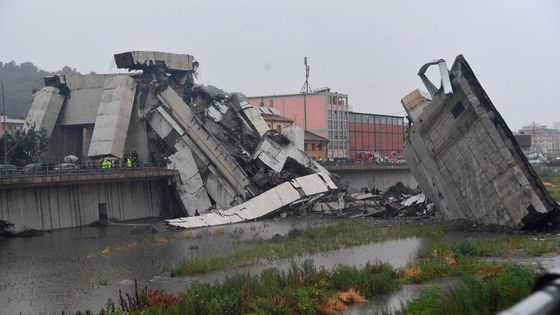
4 128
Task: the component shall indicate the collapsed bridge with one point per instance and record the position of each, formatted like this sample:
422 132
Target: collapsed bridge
222 148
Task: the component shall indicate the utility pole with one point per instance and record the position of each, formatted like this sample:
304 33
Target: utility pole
4 128
305 89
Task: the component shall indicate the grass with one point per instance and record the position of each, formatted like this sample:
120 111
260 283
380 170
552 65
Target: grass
306 241
484 294
485 287
348 234
305 289
552 183
302 289
510 245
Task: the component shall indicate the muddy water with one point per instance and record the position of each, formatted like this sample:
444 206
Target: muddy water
79 269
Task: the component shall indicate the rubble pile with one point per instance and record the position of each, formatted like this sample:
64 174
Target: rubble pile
367 204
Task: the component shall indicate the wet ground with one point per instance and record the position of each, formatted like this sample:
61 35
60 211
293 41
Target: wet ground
79 269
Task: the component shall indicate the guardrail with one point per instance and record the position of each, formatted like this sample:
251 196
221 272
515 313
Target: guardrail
80 169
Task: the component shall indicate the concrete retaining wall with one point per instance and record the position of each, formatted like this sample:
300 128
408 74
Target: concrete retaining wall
380 178
53 207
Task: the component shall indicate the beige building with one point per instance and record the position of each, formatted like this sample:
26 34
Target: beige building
543 139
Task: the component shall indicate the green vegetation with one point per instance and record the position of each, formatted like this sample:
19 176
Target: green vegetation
6 231
483 294
307 241
336 236
302 289
25 146
551 181
19 83
305 289
509 245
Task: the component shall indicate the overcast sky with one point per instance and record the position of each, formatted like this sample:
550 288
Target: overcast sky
370 50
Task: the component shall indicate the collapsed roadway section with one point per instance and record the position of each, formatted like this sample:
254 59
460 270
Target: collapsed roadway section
232 166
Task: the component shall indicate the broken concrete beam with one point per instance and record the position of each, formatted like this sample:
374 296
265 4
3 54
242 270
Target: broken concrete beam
206 142
264 204
44 110
217 187
191 191
113 117
415 102
275 155
296 136
143 59
466 160
253 117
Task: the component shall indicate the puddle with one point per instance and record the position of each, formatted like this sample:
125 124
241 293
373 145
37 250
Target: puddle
395 301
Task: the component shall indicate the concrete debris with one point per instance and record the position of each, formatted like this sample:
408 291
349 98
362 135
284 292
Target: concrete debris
287 194
465 158
380 206
232 166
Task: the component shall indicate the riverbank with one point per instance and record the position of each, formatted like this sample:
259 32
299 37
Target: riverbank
311 289
82 268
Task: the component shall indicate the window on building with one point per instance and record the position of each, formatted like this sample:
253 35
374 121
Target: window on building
320 146
313 146
279 128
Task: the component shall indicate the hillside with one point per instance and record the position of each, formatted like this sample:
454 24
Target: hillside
19 82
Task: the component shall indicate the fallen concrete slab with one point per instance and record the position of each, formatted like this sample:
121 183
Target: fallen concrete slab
465 158
262 205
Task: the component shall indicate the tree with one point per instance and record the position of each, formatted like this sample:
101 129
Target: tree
25 146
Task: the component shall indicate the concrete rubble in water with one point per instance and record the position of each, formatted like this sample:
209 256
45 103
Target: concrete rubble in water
465 158
232 167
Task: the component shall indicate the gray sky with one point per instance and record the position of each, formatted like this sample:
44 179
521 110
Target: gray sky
370 50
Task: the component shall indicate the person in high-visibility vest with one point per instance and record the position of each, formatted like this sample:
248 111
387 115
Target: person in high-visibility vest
129 163
106 164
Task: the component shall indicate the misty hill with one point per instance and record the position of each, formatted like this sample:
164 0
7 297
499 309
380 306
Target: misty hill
20 80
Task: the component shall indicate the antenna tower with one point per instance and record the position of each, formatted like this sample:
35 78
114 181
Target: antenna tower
306 89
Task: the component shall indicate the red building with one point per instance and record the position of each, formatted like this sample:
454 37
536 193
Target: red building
378 134
320 112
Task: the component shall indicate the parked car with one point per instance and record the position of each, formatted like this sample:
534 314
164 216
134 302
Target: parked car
65 167
7 168
34 168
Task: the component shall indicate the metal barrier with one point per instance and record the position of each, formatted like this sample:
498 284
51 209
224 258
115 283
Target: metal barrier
80 169
544 300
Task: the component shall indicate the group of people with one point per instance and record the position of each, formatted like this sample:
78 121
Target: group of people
108 164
